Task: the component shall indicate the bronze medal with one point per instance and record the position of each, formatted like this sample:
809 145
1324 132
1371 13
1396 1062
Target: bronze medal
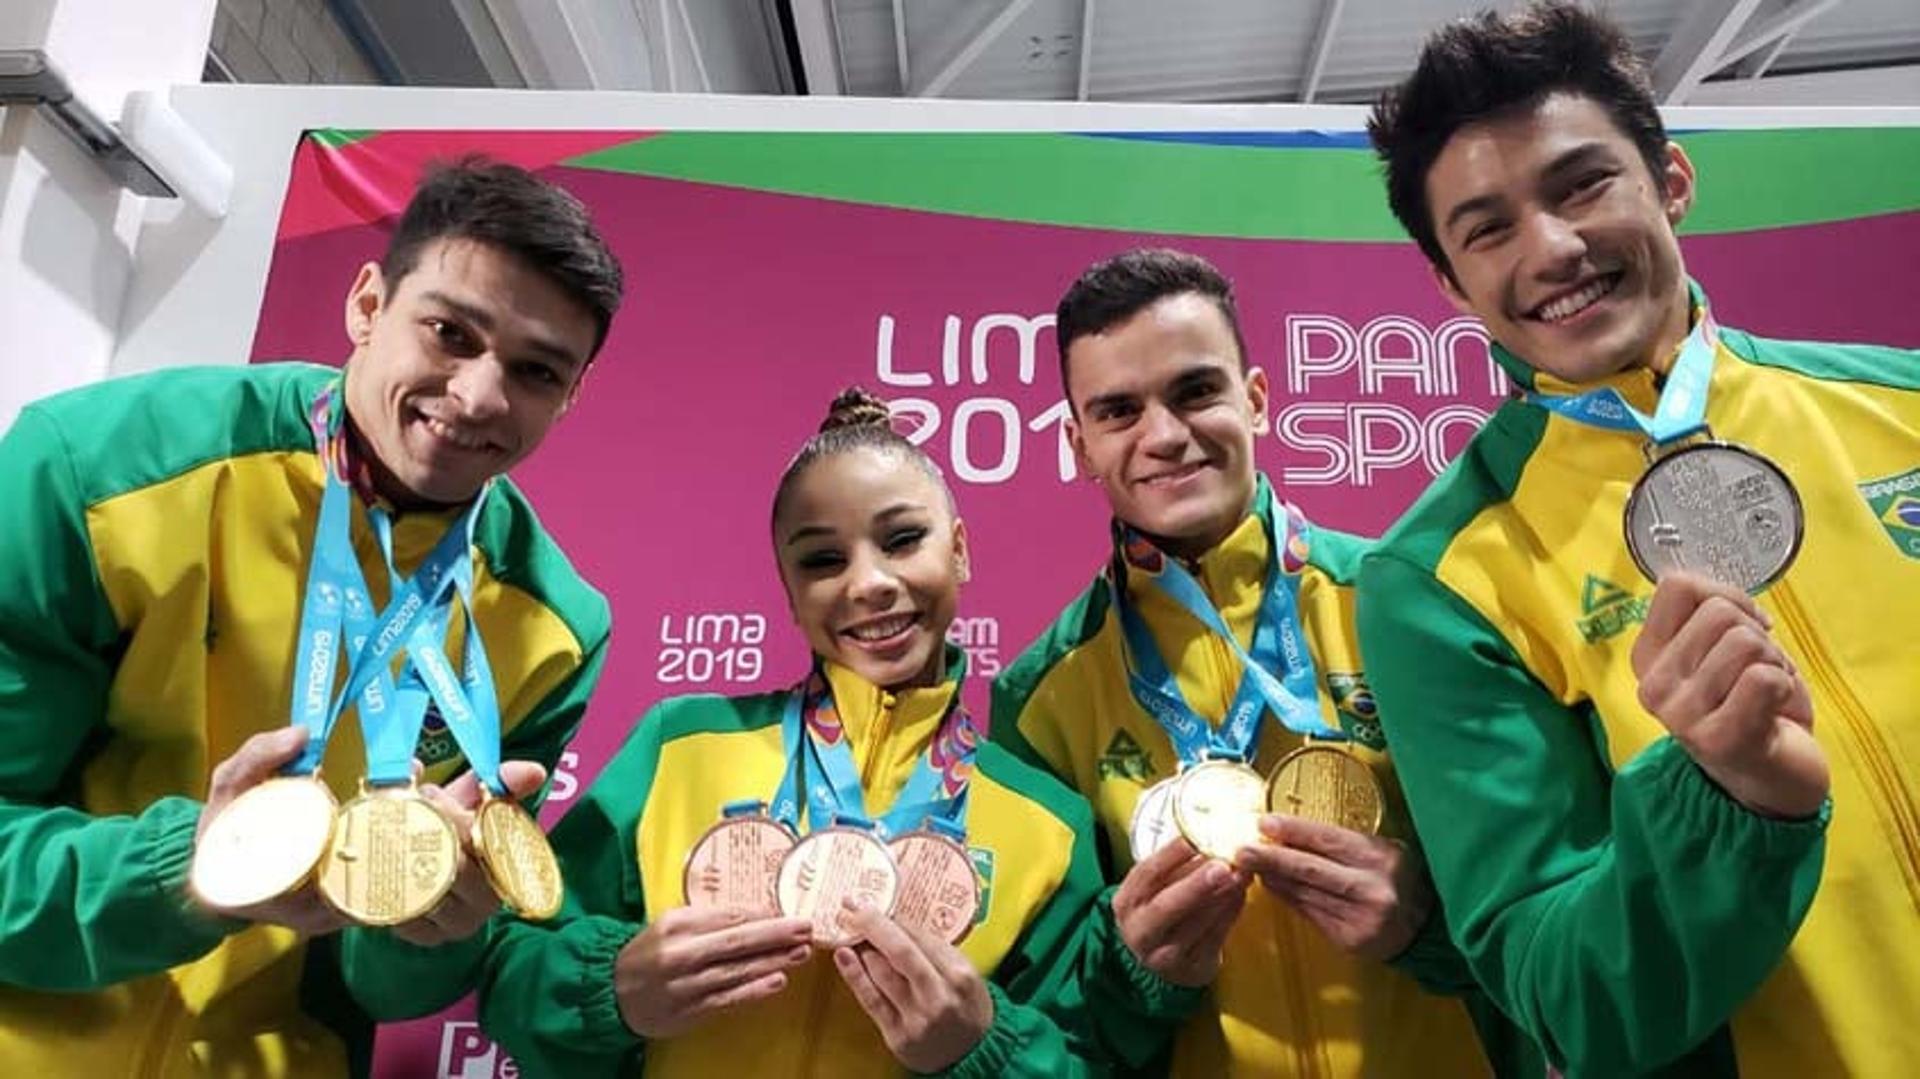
1327 784
394 857
518 859
939 893
735 863
1217 807
264 844
828 867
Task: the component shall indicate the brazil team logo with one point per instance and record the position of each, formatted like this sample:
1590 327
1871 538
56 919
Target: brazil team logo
1895 502
1608 610
1359 714
1125 758
982 860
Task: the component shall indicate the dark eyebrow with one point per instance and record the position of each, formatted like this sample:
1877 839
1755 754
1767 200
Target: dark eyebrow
1576 157
1093 404
467 312
1476 204
897 509
1583 154
1196 374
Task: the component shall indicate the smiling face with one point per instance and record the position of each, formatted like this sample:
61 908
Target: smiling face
1164 419
460 368
872 558
1561 240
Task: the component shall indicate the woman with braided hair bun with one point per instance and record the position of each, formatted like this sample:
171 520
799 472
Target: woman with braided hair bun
842 877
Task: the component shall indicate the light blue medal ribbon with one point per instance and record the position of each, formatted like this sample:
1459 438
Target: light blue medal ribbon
1278 643
935 795
469 702
336 614
416 619
1681 411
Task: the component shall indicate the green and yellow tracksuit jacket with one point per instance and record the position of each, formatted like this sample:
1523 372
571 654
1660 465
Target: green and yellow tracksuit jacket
548 993
1617 903
1287 1000
157 535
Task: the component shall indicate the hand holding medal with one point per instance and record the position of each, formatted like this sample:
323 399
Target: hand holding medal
692 962
256 861
1713 524
1712 674
931 1006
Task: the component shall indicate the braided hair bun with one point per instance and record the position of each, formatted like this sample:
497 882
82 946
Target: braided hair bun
855 407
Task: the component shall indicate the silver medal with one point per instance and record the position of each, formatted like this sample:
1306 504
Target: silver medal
1152 826
1718 510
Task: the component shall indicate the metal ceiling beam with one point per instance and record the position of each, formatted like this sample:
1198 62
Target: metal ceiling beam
1784 24
1322 48
1695 49
1760 67
541 39
819 41
1084 79
900 44
693 45
971 49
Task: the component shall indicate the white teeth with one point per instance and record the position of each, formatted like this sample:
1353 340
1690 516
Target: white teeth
1574 303
880 631
459 438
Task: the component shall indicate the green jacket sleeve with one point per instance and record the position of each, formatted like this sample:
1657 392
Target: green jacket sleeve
1553 871
85 901
1131 1012
1041 1025
393 979
546 990
1096 1006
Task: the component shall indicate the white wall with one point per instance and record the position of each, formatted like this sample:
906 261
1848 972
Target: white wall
67 232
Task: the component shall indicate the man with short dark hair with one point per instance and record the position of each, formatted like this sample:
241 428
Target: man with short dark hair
1619 785
159 574
1216 651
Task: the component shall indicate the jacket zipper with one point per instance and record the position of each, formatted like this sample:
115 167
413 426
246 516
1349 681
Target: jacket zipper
1306 1047
1877 767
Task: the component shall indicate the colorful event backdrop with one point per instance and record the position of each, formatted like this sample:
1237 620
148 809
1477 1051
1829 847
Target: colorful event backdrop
768 270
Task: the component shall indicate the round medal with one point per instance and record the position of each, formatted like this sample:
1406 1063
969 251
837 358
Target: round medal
1716 509
393 857
1217 807
826 868
1327 784
939 892
265 843
735 864
1152 826
519 862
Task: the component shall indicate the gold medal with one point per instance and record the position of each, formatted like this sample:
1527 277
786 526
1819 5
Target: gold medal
264 844
828 867
939 893
393 859
519 862
735 863
1217 807
1327 784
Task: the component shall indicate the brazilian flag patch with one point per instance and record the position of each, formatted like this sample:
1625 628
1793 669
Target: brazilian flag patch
1895 502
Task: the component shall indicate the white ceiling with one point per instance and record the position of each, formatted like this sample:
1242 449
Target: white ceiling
1811 52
